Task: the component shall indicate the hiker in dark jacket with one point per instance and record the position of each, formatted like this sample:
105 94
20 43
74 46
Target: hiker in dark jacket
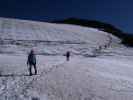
32 62
68 55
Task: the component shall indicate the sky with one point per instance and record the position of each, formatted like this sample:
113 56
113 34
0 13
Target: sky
116 12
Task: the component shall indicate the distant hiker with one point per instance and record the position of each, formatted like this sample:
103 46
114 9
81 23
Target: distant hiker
105 46
32 62
100 48
68 55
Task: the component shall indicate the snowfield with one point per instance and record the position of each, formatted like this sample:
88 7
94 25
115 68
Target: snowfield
100 67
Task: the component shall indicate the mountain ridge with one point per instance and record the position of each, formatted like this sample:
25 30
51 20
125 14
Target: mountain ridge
127 39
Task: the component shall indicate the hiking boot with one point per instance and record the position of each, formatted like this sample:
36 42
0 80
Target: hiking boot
30 74
35 73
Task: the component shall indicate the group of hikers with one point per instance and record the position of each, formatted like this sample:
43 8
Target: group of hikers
31 61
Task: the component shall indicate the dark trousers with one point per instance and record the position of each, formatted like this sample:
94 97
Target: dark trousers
67 58
30 68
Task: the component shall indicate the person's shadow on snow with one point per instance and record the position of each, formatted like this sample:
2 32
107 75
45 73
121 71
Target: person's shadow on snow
13 75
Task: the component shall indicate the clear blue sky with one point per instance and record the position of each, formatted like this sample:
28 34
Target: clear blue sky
116 12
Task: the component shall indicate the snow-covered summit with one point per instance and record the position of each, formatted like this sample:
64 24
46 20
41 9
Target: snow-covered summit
30 30
24 35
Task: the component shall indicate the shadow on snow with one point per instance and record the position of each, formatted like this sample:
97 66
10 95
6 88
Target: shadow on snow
13 75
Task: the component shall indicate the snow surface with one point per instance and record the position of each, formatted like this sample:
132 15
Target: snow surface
100 67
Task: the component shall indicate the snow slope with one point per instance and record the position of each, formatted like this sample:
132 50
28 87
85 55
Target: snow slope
18 36
100 67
